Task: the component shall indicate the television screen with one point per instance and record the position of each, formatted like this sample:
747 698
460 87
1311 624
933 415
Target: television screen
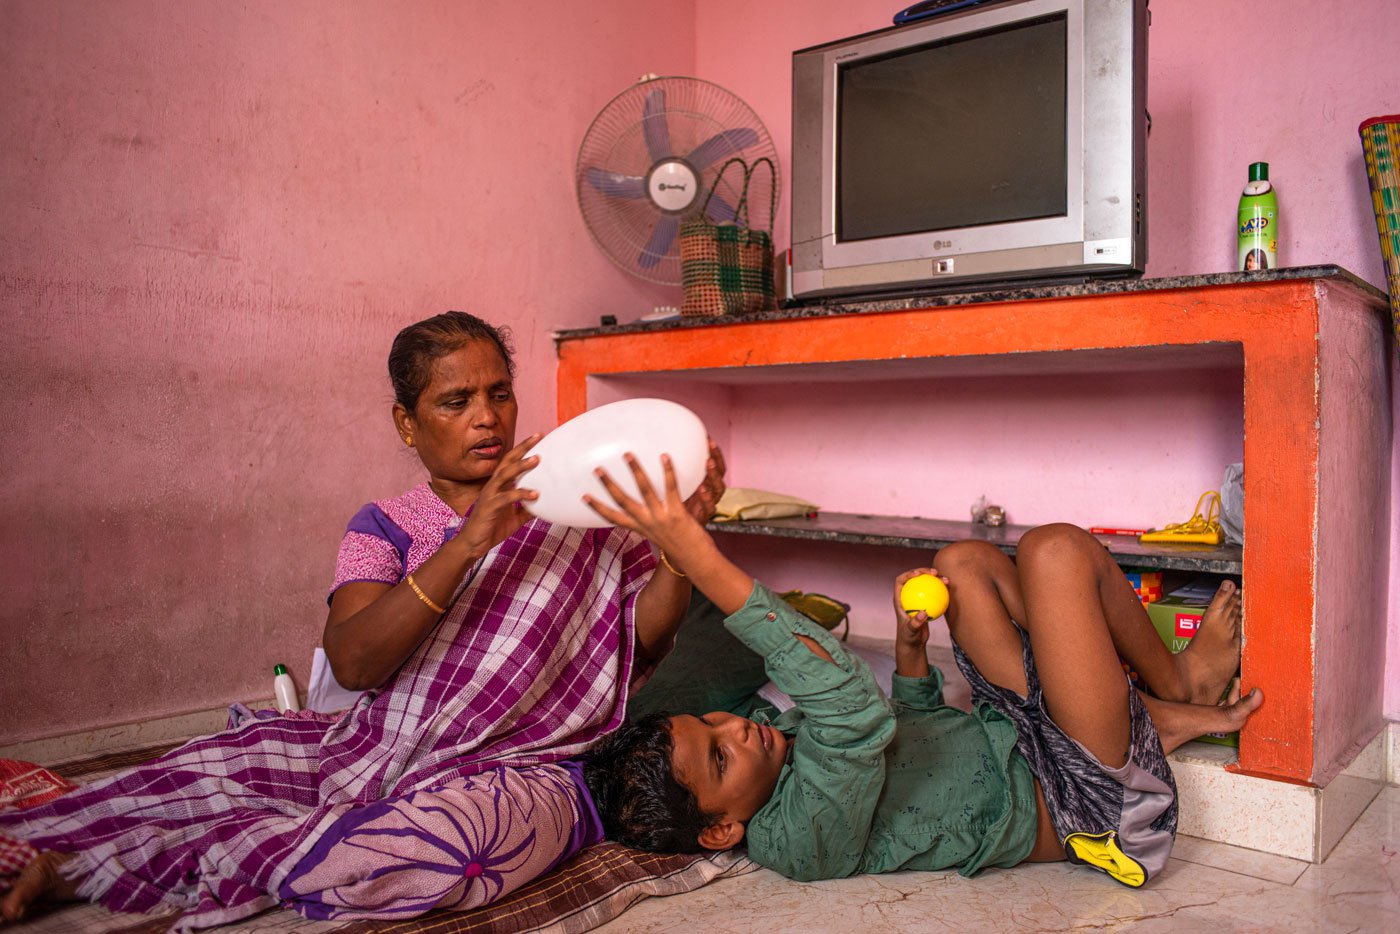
957 133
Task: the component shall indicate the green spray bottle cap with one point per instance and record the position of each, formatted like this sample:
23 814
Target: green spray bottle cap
1259 172
279 669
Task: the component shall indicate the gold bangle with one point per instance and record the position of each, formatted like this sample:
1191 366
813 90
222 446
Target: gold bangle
669 566
424 597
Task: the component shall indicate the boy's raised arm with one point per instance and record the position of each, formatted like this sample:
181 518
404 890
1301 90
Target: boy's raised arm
816 826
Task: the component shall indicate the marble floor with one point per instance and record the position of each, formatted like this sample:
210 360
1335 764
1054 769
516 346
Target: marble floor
1207 887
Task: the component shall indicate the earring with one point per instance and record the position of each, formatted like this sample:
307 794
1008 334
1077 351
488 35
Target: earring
408 440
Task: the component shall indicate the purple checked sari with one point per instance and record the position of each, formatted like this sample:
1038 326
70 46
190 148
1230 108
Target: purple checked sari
447 787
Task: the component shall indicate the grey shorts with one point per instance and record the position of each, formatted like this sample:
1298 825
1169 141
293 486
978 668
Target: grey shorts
1121 820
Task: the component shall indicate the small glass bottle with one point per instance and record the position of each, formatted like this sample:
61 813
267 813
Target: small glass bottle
285 690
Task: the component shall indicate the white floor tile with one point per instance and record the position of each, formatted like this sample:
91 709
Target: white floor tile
1267 866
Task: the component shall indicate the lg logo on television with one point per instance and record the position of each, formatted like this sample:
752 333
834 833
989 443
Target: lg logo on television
943 244
1186 626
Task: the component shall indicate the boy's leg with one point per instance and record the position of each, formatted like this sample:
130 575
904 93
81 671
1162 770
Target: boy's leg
1179 723
1078 615
1081 615
990 596
1086 694
986 598
1201 673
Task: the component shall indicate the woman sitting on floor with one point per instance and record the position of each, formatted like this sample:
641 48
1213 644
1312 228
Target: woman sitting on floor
492 648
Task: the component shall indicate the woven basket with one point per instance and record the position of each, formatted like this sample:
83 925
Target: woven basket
727 269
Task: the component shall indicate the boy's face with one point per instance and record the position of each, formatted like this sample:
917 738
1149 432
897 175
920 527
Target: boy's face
730 763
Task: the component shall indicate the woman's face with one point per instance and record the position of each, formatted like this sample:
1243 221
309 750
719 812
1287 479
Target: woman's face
464 422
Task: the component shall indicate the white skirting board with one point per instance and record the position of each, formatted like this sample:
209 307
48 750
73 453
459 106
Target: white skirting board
1298 821
123 736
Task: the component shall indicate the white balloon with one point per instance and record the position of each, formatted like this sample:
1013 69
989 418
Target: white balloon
599 437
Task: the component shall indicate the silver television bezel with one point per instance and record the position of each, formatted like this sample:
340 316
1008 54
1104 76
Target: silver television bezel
1102 231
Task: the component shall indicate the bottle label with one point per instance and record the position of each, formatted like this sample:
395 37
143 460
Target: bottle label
1258 234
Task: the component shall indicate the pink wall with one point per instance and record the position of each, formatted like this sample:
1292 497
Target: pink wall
1285 81
216 217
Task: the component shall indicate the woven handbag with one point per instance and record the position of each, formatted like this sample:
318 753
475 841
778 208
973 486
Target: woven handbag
727 269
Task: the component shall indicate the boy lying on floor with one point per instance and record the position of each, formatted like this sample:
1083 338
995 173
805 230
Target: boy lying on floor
1060 758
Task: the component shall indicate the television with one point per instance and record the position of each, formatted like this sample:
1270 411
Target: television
996 143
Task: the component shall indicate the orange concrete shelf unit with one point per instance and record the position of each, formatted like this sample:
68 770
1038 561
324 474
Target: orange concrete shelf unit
1317 443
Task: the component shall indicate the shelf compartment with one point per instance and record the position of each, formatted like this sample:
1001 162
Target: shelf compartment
1311 351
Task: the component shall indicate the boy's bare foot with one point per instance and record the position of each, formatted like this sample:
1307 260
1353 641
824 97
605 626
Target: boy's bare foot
40 880
1180 723
1210 660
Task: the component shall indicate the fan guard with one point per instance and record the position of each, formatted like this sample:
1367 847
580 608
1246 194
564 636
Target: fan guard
648 161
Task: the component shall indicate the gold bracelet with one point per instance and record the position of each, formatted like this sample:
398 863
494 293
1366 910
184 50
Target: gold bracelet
669 566
424 597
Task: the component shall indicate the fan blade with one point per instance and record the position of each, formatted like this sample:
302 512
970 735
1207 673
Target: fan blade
662 236
721 144
720 211
616 185
658 135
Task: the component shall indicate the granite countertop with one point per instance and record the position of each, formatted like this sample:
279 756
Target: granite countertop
1008 293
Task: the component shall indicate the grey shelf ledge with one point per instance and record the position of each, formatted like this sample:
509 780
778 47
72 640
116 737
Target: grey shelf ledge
916 532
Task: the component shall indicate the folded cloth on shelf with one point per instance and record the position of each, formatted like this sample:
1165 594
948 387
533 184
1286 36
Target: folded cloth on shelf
747 503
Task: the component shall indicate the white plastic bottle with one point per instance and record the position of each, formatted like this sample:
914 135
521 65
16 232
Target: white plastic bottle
285 690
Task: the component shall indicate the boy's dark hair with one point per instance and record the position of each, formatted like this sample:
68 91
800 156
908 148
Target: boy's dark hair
637 795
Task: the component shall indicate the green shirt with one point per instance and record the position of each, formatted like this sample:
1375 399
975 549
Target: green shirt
874 784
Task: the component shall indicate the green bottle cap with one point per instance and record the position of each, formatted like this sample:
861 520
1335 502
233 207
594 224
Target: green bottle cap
1259 172
279 670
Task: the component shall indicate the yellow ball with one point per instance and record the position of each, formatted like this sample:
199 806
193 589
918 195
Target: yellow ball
924 592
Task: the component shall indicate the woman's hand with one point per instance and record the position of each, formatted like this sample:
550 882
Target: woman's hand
499 510
705 500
